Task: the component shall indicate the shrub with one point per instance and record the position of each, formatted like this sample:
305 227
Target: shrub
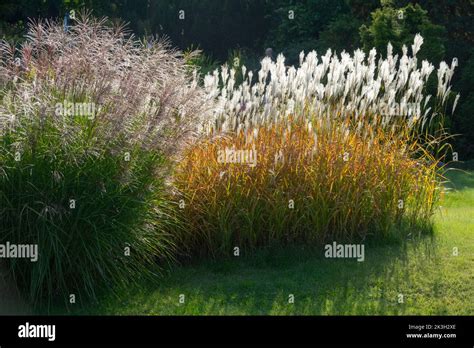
88 118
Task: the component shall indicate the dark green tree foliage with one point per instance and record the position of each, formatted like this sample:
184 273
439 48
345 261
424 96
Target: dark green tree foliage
296 25
213 26
399 26
456 16
14 15
341 34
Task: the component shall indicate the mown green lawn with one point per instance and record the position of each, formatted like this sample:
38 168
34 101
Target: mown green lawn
425 270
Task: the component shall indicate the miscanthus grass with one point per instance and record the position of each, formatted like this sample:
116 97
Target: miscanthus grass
346 148
88 119
306 187
364 88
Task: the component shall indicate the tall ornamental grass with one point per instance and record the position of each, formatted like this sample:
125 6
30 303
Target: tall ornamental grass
341 148
88 119
306 187
364 88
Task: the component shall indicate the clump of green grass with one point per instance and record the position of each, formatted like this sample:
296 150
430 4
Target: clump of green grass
97 219
87 184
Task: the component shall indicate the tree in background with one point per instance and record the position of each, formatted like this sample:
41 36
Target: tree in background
296 25
213 26
14 15
399 26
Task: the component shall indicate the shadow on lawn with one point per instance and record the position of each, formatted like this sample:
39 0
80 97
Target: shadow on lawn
460 176
260 284
331 286
460 179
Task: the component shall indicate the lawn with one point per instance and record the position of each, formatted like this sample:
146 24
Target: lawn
424 275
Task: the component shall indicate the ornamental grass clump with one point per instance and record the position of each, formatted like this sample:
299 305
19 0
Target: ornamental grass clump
306 187
343 149
88 118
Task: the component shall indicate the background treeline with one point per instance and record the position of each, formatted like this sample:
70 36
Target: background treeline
229 29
